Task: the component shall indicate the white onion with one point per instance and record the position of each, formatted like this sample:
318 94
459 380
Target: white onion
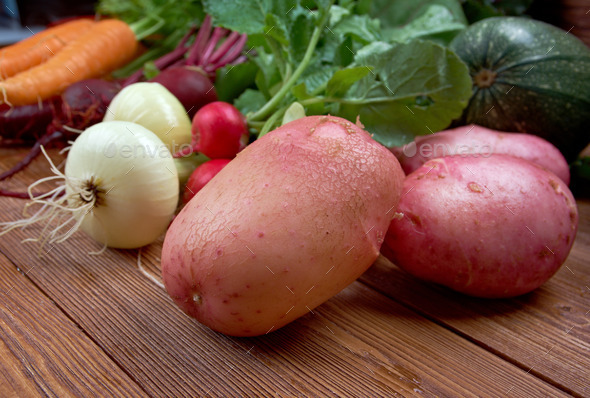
121 187
154 107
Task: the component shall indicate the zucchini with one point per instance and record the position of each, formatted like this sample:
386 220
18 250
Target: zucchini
530 77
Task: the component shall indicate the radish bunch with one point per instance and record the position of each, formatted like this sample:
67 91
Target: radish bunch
219 131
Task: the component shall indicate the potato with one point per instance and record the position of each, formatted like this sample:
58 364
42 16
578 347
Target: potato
479 141
292 220
488 227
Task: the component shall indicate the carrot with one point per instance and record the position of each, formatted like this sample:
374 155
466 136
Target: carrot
108 45
40 47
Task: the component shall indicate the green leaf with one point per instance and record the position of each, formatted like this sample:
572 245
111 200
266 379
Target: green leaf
322 4
348 4
300 34
178 17
284 8
232 80
150 70
318 78
300 92
344 54
416 88
397 13
250 101
293 112
244 16
436 22
249 16
268 73
337 13
476 10
276 29
360 27
343 79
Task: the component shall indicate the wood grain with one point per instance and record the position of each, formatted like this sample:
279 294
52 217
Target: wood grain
360 343
545 332
45 354
575 16
357 343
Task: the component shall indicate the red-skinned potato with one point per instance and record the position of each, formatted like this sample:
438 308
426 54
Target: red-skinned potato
297 216
489 227
477 141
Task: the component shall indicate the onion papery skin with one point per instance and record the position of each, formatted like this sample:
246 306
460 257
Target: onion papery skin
157 109
136 183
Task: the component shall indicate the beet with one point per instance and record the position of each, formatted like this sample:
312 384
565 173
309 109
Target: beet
23 124
188 71
83 104
190 85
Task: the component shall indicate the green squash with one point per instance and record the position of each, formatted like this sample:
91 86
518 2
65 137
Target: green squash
528 76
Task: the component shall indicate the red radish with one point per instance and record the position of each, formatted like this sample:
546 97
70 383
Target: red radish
190 85
219 131
201 176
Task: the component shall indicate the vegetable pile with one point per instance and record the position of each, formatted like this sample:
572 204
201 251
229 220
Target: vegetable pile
75 101
289 143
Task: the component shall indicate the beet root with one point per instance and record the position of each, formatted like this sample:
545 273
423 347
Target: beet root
83 104
22 125
190 85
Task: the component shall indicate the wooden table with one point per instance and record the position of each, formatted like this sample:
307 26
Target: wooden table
73 324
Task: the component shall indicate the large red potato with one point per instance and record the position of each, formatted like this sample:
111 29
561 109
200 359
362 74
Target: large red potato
297 216
477 141
489 227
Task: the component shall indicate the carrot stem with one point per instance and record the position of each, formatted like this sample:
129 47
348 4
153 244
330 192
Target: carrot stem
145 27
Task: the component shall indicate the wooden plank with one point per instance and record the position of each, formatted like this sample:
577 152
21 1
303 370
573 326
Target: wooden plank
358 344
544 332
45 354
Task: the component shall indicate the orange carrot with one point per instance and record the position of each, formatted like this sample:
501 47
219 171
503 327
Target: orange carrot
40 47
108 45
